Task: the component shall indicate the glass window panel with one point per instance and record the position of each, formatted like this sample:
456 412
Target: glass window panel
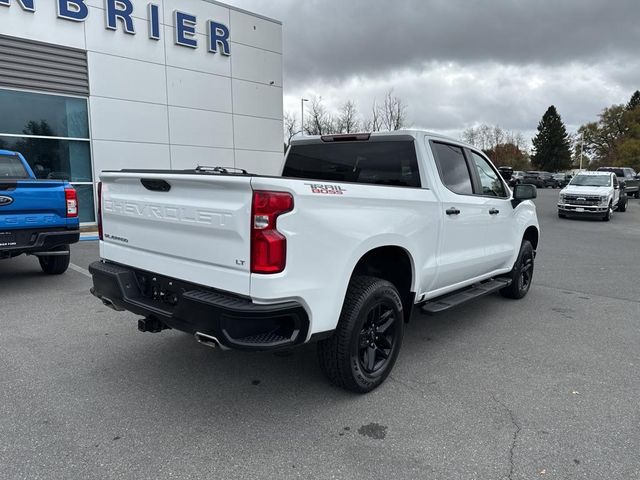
375 162
453 168
61 159
489 179
85 202
26 113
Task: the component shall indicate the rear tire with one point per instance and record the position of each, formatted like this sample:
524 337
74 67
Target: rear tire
622 205
55 265
363 349
637 194
522 273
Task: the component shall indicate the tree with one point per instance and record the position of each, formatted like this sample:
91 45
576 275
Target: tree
393 112
348 118
603 139
373 124
509 155
635 101
290 128
320 121
552 145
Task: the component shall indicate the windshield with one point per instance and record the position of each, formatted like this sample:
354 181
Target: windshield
591 181
11 167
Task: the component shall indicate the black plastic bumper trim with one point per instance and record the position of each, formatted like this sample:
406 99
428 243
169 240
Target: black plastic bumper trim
44 241
235 321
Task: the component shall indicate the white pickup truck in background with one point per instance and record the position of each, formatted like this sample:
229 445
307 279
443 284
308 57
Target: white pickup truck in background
339 249
592 194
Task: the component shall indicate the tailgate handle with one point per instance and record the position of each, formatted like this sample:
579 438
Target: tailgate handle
155 185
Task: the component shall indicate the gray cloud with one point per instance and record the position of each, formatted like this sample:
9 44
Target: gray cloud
335 39
457 63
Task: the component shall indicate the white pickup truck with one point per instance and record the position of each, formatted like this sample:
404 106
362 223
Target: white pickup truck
338 250
592 194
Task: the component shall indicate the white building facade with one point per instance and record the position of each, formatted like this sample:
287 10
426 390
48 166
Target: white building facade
95 85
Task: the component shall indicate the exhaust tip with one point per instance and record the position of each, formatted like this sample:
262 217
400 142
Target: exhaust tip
208 340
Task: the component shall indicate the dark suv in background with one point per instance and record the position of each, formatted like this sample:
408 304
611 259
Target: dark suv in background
627 178
540 179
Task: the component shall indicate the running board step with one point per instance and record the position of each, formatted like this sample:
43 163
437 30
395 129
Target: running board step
459 297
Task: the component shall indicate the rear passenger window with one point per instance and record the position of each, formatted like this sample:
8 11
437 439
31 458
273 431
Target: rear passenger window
452 167
379 162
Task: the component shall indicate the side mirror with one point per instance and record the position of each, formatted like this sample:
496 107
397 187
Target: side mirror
522 192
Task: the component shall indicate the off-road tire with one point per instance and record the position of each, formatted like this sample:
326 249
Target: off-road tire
339 355
55 265
520 278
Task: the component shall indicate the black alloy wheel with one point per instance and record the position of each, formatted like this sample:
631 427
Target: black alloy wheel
377 338
367 340
521 275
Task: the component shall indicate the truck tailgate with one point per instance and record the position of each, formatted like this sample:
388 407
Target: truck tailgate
194 227
33 204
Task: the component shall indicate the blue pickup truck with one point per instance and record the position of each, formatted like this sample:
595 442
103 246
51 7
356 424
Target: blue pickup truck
37 217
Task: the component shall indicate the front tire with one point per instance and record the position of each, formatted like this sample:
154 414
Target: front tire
55 264
522 274
561 215
637 194
363 349
607 216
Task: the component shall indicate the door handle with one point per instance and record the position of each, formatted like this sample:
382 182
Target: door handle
494 211
453 211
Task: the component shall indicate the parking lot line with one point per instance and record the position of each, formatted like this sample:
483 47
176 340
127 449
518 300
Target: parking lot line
81 270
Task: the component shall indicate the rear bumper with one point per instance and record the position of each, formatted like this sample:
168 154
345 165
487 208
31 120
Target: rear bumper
234 321
34 241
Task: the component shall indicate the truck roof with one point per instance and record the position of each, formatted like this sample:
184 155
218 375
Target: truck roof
398 133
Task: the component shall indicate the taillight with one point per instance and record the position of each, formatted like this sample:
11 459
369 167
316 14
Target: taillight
268 245
71 197
100 210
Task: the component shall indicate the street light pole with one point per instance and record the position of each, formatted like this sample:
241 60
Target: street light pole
302 100
581 148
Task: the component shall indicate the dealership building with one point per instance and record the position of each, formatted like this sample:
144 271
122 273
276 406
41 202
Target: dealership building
92 85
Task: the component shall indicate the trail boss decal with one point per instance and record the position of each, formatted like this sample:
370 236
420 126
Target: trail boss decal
325 189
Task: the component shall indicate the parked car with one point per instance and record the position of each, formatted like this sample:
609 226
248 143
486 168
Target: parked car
593 194
517 177
358 230
37 217
629 180
563 179
506 173
540 179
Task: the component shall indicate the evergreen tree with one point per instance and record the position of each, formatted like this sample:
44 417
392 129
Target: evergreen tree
552 144
635 100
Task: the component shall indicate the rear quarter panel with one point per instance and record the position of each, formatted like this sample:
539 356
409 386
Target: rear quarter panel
328 233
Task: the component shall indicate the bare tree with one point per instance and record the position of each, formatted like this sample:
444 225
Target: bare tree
393 112
290 127
373 123
347 121
319 122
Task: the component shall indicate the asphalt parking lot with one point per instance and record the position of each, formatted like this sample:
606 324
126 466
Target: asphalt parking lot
546 387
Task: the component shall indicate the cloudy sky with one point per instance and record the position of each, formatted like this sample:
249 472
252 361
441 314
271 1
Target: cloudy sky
459 63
